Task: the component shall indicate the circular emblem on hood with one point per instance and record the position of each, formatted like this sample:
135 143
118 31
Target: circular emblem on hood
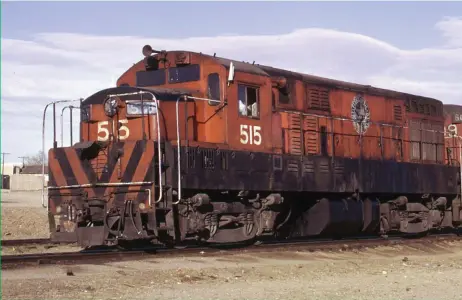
360 114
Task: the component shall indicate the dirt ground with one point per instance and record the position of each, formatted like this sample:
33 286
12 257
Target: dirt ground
386 273
23 216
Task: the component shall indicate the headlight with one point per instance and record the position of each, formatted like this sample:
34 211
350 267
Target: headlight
110 106
134 108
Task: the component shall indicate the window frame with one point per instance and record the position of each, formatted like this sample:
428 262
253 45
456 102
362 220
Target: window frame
257 90
143 78
288 96
85 110
213 103
198 66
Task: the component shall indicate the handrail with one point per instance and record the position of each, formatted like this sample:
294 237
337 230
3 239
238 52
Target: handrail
159 150
459 138
460 163
339 118
185 98
54 139
43 141
100 185
62 123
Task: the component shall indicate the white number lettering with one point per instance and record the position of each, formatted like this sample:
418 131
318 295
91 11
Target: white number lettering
124 129
245 134
105 131
452 130
250 134
257 135
457 118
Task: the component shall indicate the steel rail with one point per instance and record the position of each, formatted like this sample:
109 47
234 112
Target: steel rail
23 242
93 256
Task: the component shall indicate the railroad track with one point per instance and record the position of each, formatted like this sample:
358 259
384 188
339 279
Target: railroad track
26 242
106 255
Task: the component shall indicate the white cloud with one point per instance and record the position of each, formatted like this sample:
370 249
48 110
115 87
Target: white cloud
452 30
69 66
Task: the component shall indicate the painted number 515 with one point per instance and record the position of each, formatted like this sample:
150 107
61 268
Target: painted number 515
250 134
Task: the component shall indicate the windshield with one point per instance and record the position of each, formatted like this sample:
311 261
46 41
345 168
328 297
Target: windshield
175 75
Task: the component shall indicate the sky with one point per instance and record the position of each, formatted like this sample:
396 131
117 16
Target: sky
67 50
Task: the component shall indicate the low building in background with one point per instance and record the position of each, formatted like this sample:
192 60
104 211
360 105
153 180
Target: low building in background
27 178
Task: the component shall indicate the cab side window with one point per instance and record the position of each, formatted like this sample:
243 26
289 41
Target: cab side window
248 101
213 88
285 95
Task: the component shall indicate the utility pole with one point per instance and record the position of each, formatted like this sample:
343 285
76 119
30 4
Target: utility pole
23 157
3 165
3 162
70 113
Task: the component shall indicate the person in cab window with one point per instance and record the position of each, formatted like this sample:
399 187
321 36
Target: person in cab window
254 110
242 108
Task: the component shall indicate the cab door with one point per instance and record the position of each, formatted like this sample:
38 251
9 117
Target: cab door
249 114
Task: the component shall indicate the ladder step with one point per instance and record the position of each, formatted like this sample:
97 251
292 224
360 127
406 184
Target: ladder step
165 228
164 186
163 209
164 166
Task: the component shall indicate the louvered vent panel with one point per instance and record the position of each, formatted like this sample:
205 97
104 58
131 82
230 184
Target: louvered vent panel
208 159
295 121
295 126
310 127
398 112
308 167
339 169
414 127
318 98
408 105
292 166
191 159
324 167
295 142
310 123
421 109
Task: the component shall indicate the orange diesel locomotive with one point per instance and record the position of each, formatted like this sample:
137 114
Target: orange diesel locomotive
194 147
